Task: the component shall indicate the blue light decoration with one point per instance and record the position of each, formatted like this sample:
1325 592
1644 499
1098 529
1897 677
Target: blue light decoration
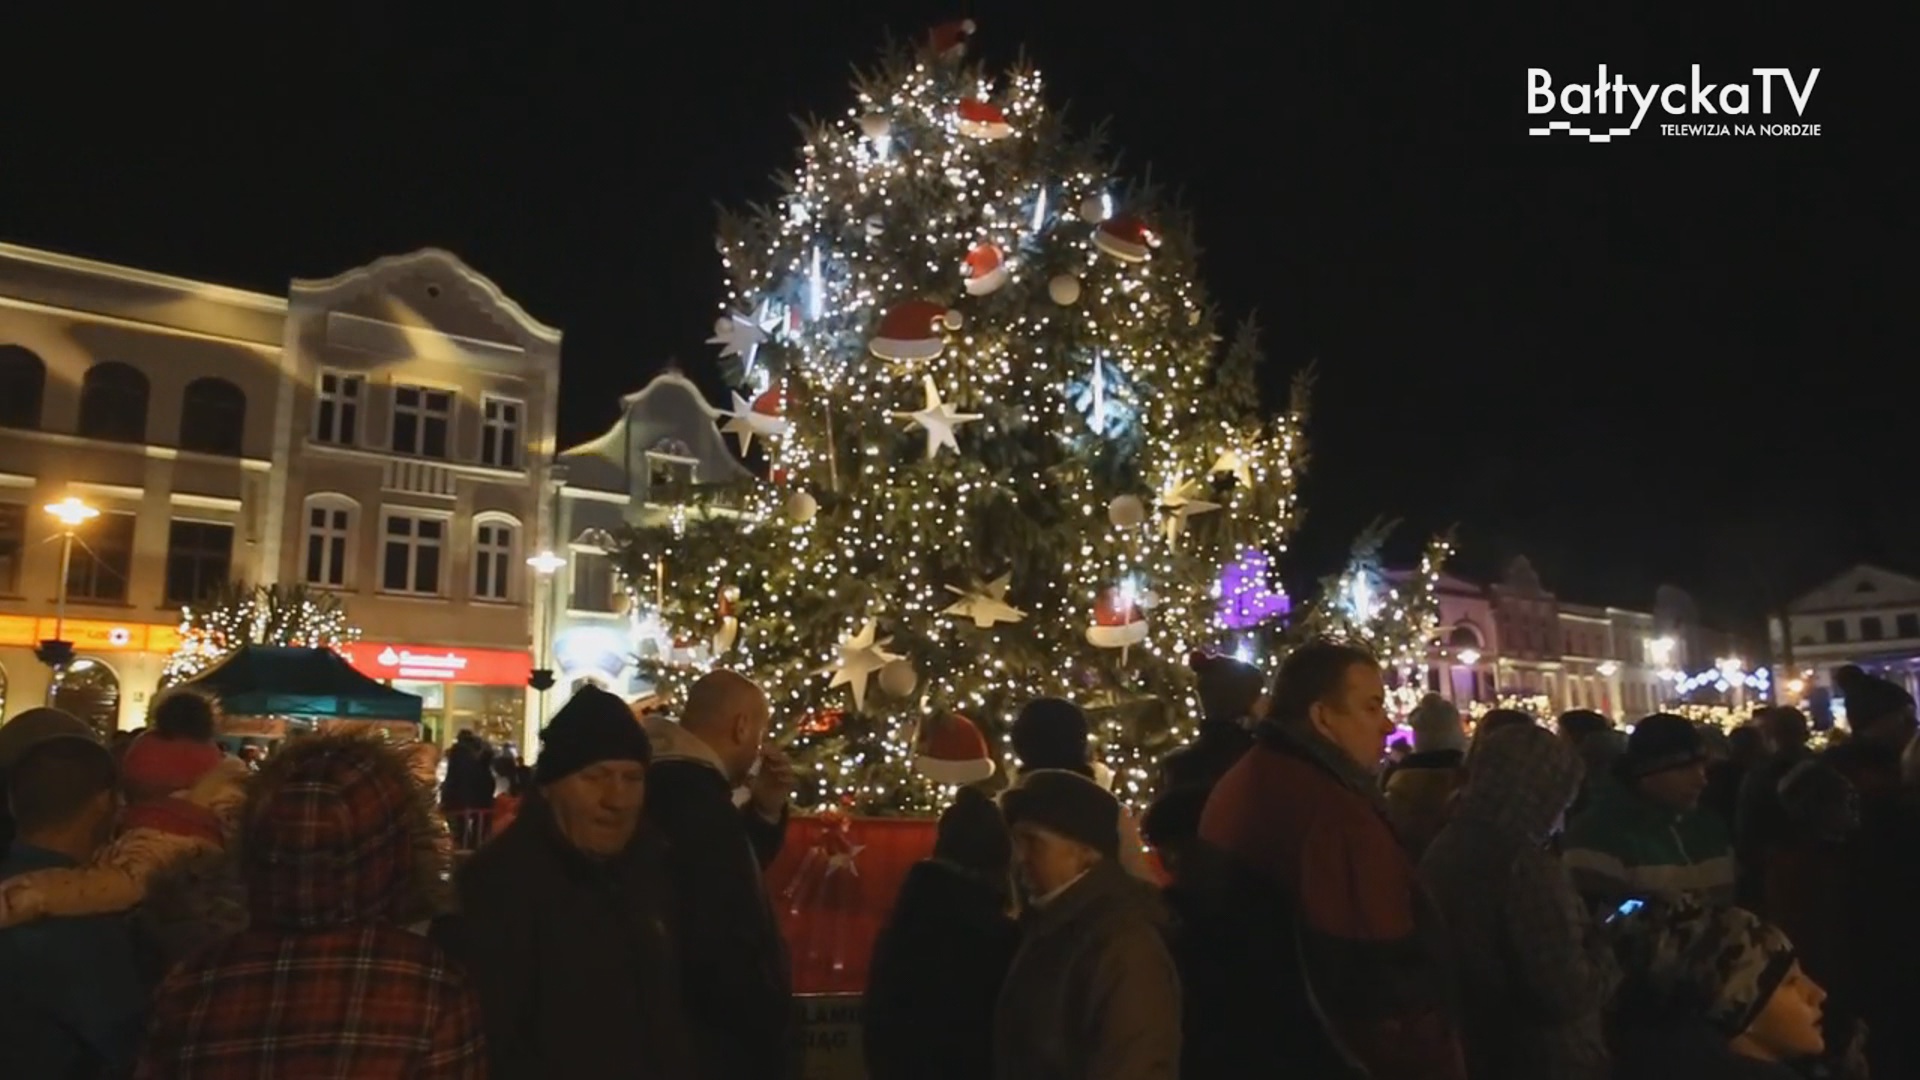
1106 398
1246 600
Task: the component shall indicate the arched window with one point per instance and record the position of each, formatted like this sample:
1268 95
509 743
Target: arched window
213 417
113 403
495 537
89 690
329 524
23 382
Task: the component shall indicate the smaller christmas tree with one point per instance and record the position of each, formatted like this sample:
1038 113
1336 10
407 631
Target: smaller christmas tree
1395 616
239 614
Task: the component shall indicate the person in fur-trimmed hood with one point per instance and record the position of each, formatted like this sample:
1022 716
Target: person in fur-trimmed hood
338 851
170 859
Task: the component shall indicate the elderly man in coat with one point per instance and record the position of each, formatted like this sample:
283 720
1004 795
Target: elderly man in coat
565 914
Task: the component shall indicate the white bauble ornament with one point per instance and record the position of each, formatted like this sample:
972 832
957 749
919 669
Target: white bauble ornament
1065 289
898 678
953 319
875 126
801 506
1126 511
875 226
1093 210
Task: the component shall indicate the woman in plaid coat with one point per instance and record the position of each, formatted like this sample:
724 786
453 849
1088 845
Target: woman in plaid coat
337 849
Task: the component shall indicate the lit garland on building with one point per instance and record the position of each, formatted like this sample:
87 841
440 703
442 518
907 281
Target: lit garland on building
290 615
1105 465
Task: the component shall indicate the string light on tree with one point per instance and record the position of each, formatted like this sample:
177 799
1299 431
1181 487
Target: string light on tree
239 614
1092 381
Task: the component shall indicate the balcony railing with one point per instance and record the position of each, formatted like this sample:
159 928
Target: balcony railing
419 478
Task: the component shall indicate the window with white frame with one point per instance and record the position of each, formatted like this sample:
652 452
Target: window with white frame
591 581
329 528
493 559
336 412
411 546
500 432
422 417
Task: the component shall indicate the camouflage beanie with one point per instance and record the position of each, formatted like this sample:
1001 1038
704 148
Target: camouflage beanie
1721 964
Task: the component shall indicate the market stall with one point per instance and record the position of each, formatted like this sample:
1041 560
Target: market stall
270 691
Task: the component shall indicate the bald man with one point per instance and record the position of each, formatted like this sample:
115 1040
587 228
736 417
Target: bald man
735 977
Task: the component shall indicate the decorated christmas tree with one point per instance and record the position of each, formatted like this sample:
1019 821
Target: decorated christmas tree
239 614
1006 453
1395 615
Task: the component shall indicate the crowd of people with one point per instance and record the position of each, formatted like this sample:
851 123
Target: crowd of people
1532 901
1526 901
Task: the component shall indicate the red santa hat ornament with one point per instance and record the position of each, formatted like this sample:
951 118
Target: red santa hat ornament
985 269
910 331
983 120
948 41
951 750
1117 621
1126 238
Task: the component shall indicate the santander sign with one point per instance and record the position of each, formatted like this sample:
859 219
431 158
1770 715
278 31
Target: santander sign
428 663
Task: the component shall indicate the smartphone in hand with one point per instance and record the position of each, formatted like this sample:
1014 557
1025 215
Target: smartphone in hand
1626 908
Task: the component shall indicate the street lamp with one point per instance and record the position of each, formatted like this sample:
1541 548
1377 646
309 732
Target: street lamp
1468 656
545 565
57 652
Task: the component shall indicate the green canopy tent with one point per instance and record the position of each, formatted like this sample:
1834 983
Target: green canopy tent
305 684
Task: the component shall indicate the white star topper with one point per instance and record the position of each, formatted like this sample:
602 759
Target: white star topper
860 657
985 604
746 423
939 419
738 335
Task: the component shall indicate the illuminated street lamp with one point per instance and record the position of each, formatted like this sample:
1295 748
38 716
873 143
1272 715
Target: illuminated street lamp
57 652
1608 669
545 565
1469 657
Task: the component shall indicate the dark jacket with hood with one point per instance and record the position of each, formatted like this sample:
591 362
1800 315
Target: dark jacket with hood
1535 970
938 964
1092 993
338 852
572 956
736 981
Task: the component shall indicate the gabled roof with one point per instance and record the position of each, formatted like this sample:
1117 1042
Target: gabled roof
480 288
1862 586
602 462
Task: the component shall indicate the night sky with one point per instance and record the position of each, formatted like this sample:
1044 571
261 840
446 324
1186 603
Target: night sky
1656 360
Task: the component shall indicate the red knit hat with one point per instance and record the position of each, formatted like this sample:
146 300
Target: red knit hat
155 766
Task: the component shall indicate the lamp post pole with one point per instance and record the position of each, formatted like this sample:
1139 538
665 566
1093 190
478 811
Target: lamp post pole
57 652
545 565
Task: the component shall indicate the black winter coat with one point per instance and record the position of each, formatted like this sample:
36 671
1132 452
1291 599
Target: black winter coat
736 979
572 957
936 973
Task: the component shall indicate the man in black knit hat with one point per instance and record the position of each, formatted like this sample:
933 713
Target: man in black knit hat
564 913
1648 836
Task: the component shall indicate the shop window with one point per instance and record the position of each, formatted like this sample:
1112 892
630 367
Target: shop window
102 559
89 690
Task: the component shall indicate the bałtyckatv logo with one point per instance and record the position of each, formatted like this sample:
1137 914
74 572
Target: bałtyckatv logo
1605 109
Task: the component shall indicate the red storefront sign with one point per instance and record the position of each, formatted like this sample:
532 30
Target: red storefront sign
434 663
